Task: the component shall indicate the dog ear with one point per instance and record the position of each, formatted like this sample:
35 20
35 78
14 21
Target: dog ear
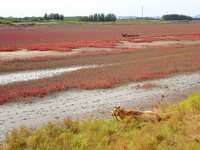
117 107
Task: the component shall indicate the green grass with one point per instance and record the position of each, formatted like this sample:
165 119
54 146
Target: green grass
178 130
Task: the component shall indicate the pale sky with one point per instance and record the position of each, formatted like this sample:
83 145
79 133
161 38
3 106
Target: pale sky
19 8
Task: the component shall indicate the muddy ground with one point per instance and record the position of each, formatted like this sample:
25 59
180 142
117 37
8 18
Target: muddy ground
78 104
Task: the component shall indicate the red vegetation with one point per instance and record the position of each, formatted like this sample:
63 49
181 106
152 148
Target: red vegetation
133 66
64 46
67 37
191 36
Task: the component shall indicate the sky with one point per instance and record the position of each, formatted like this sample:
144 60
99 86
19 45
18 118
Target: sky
22 8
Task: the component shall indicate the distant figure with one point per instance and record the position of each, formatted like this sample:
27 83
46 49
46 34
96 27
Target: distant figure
130 35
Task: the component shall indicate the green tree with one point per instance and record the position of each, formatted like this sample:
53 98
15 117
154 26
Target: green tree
45 16
61 17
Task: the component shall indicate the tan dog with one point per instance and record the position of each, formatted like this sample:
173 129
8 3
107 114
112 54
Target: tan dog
123 114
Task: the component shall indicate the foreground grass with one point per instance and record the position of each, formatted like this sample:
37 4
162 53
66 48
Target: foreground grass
179 129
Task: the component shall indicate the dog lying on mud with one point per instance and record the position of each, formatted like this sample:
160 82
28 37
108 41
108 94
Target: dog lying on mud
123 114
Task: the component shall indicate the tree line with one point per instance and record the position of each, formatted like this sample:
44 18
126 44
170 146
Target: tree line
176 17
10 20
46 17
91 18
99 18
53 16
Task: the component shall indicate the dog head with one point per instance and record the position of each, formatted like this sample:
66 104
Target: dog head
117 107
116 111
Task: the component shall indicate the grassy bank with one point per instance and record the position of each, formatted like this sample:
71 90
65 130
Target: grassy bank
179 129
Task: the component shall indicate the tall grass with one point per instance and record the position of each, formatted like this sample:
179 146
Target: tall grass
178 130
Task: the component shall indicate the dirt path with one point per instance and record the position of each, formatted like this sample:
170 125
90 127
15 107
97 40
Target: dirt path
81 103
126 44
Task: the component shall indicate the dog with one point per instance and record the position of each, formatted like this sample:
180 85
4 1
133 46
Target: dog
123 114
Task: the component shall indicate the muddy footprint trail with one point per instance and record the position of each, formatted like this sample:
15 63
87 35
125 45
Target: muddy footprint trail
81 103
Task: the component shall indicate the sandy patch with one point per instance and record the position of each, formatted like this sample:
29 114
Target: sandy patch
81 103
24 54
6 78
126 44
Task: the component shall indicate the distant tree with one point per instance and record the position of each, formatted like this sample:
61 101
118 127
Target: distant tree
45 16
98 18
102 17
95 17
56 16
51 16
92 18
61 17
